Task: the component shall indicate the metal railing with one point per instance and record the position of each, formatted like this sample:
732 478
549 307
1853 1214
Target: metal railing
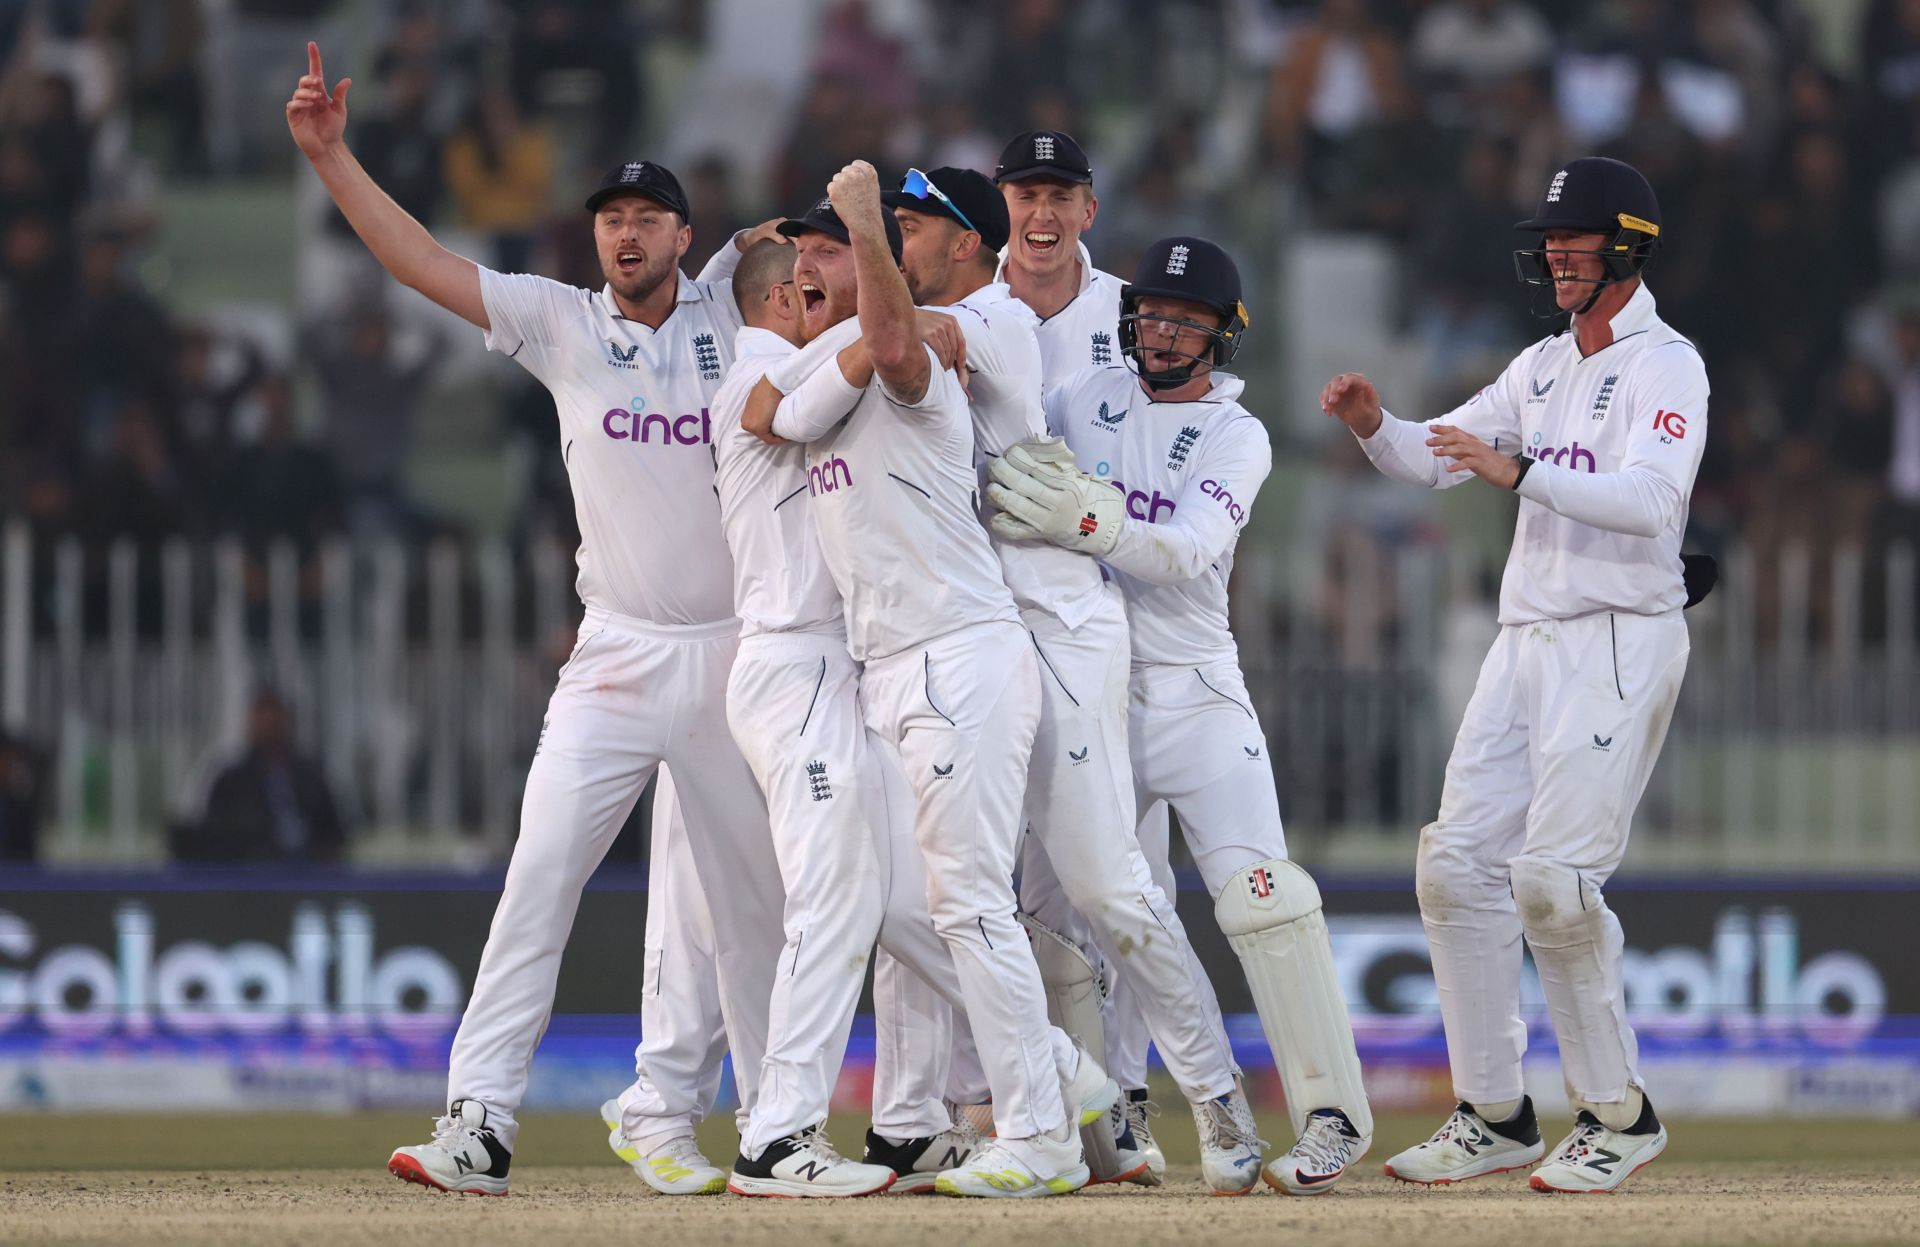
418 674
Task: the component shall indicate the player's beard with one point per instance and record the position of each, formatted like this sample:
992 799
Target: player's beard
640 286
840 305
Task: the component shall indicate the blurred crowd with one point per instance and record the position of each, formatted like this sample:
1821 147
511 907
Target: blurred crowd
1783 137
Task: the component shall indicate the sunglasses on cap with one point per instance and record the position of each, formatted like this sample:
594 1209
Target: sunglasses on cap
920 186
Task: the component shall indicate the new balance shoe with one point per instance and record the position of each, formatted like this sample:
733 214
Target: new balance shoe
1089 1088
1138 1109
916 1163
1325 1150
1469 1146
805 1166
1595 1159
1230 1143
1046 1164
675 1167
463 1156
1129 1162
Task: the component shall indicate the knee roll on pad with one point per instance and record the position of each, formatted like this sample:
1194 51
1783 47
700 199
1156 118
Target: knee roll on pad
1074 996
1270 914
1555 900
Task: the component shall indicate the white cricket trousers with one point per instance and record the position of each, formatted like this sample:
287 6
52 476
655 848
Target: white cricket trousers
1554 752
1084 873
633 695
793 703
962 710
683 1036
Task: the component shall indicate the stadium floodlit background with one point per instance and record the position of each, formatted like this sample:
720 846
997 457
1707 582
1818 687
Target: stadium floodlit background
286 557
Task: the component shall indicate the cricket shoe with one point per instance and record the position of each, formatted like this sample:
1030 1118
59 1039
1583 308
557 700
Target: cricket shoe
1046 1164
675 1167
1469 1146
1139 1108
1325 1150
1595 1159
805 1166
916 1163
463 1156
1230 1143
1090 1089
1129 1162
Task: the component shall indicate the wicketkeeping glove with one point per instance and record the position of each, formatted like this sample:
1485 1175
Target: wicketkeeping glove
1043 495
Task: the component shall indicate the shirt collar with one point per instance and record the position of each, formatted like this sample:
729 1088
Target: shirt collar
685 292
1080 249
1637 316
752 341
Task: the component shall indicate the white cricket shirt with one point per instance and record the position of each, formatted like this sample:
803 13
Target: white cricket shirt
895 500
1189 473
1003 360
635 431
780 578
1083 334
1616 439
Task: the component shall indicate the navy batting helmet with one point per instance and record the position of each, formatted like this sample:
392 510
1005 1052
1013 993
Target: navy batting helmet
1192 269
1594 195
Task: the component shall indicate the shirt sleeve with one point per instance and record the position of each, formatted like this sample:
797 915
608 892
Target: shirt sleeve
791 371
821 401
933 400
1212 508
1399 447
526 311
1648 494
716 283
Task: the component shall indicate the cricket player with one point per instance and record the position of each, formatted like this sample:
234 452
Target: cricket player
1047 182
631 369
1079 800
1176 464
1599 429
951 679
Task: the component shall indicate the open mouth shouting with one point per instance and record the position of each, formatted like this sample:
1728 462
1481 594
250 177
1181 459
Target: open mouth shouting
813 299
628 261
1041 243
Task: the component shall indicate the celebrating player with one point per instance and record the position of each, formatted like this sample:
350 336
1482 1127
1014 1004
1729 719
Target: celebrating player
1177 462
1079 802
631 369
950 679
1599 429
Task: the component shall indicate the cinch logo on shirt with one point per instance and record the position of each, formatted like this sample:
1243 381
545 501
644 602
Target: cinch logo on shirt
1144 506
824 478
1218 490
1563 456
630 426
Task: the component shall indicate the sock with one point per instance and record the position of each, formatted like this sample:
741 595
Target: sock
1500 1111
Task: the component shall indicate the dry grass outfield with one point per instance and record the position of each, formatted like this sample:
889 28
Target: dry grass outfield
165 1180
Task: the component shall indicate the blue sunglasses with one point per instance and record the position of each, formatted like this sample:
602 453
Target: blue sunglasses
920 186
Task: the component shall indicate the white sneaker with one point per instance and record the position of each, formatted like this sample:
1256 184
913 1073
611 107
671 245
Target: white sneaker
1595 1159
1138 1109
1230 1143
1020 1169
805 1166
1089 1088
917 1162
1467 1147
1324 1151
463 1155
675 1167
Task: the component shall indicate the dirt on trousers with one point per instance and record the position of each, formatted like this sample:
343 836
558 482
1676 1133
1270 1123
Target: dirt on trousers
1675 1204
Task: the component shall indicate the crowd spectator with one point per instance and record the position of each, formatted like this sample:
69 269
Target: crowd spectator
271 804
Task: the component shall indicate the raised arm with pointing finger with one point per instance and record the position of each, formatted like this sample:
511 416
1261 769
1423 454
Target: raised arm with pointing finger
318 119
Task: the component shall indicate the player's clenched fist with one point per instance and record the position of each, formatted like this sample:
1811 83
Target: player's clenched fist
855 193
317 117
1351 399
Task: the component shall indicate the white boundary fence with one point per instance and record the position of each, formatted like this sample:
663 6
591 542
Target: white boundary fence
419 675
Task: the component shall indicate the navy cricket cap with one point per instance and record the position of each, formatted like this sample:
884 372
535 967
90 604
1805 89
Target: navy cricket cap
1596 195
1188 268
971 201
1043 154
642 177
822 219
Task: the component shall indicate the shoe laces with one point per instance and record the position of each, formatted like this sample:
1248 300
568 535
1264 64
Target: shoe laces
1326 1145
448 1129
814 1140
1459 1128
1227 1122
1137 1113
1580 1142
993 1158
